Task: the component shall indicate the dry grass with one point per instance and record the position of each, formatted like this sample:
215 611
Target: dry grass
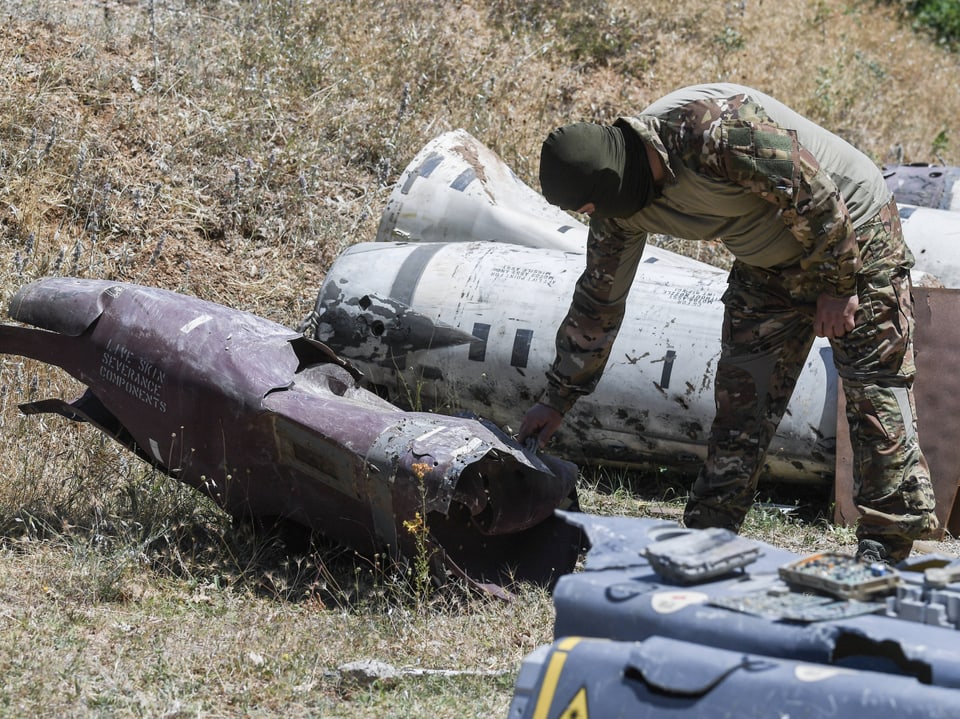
230 149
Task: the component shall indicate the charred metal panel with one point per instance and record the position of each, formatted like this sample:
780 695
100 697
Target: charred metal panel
936 186
272 424
383 330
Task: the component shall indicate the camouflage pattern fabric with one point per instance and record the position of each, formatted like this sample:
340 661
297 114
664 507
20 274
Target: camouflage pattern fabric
767 335
733 140
729 139
596 312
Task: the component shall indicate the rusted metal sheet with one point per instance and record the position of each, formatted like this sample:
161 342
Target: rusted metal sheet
845 510
937 314
272 424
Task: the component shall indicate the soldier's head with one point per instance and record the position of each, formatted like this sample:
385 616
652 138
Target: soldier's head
601 165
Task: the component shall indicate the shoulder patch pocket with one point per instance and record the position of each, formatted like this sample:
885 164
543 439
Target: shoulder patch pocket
755 152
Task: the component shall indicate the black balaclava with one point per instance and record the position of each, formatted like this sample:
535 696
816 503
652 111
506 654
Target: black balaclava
603 164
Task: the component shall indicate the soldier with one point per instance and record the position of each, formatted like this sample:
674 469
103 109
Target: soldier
818 251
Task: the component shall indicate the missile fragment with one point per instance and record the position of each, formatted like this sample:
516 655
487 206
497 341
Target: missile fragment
272 424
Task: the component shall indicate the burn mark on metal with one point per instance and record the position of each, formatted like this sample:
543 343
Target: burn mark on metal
381 330
693 430
431 373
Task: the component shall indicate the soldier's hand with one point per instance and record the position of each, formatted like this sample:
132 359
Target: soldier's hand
540 422
835 315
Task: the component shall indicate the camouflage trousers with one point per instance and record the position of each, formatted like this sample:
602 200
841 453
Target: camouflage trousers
767 335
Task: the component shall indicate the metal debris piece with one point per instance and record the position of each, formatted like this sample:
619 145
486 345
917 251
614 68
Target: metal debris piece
665 678
654 403
618 596
924 185
841 575
699 556
272 424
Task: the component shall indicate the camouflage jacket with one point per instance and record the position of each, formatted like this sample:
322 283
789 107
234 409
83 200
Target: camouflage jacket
780 191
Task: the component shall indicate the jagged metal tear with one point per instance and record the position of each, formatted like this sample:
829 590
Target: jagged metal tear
271 424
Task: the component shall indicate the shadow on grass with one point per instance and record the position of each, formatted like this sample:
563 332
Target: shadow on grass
204 547
669 488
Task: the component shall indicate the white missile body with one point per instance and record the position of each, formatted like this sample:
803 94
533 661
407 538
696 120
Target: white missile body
654 404
458 190
465 249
